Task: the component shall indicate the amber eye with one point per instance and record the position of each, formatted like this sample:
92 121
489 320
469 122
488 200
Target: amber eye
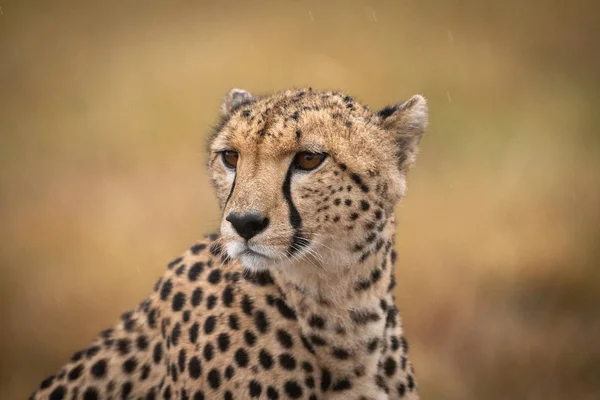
230 158
308 161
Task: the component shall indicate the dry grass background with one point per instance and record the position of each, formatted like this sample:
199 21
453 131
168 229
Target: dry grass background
105 106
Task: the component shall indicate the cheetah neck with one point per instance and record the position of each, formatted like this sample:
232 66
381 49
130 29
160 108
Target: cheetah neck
349 317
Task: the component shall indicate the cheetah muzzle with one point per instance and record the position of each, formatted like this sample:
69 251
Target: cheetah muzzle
294 299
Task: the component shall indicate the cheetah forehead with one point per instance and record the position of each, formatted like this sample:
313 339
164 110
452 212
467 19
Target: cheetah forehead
286 120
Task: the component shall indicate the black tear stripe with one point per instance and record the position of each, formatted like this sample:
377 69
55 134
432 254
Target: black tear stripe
230 192
298 241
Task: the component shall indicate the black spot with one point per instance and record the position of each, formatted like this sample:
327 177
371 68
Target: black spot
91 393
152 318
340 354
178 301
77 355
295 116
194 367
75 372
99 368
179 270
261 321
181 360
227 396
341 385
395 343
174 262
194 332
214 378
266 359
353 216
316 321
126 390
272 393
167 393
58 393
92 351
142 343
241 357
380 382
306 366
401 389
325 380
208 351
391 317
229 372
317 340
343 166
197 248
298 133
389 366
285 310
250 338
287 361
372 345
195 271
175 334
363 317
130 365
254 388
157 354
185 317
247 305
227 296
375 275
209 324
307 344
196 297
174 373
234 322
364 205
404 344
223 342
165 290
215 276
211 301
310 382
260 278
293 389
378 214
46 383
285 339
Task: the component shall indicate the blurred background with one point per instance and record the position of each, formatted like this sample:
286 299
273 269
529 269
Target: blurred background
105 108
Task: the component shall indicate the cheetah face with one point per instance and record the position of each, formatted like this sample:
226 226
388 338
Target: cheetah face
307 178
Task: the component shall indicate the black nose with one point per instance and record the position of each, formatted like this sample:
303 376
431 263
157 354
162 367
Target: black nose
248 225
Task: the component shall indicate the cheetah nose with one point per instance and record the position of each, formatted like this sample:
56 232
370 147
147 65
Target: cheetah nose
248 225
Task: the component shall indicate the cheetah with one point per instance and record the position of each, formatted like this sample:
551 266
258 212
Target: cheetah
294 298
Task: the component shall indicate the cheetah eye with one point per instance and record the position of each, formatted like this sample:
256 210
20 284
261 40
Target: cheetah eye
230 158
308 161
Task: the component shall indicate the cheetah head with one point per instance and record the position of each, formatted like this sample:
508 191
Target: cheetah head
305 176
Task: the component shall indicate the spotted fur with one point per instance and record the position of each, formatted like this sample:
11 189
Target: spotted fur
303 309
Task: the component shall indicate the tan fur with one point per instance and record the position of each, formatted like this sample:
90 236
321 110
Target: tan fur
326 282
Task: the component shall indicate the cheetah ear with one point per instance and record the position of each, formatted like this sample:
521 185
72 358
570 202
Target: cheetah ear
407 122
234 100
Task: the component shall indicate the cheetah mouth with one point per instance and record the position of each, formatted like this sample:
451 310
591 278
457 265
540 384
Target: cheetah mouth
249 255
249 252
